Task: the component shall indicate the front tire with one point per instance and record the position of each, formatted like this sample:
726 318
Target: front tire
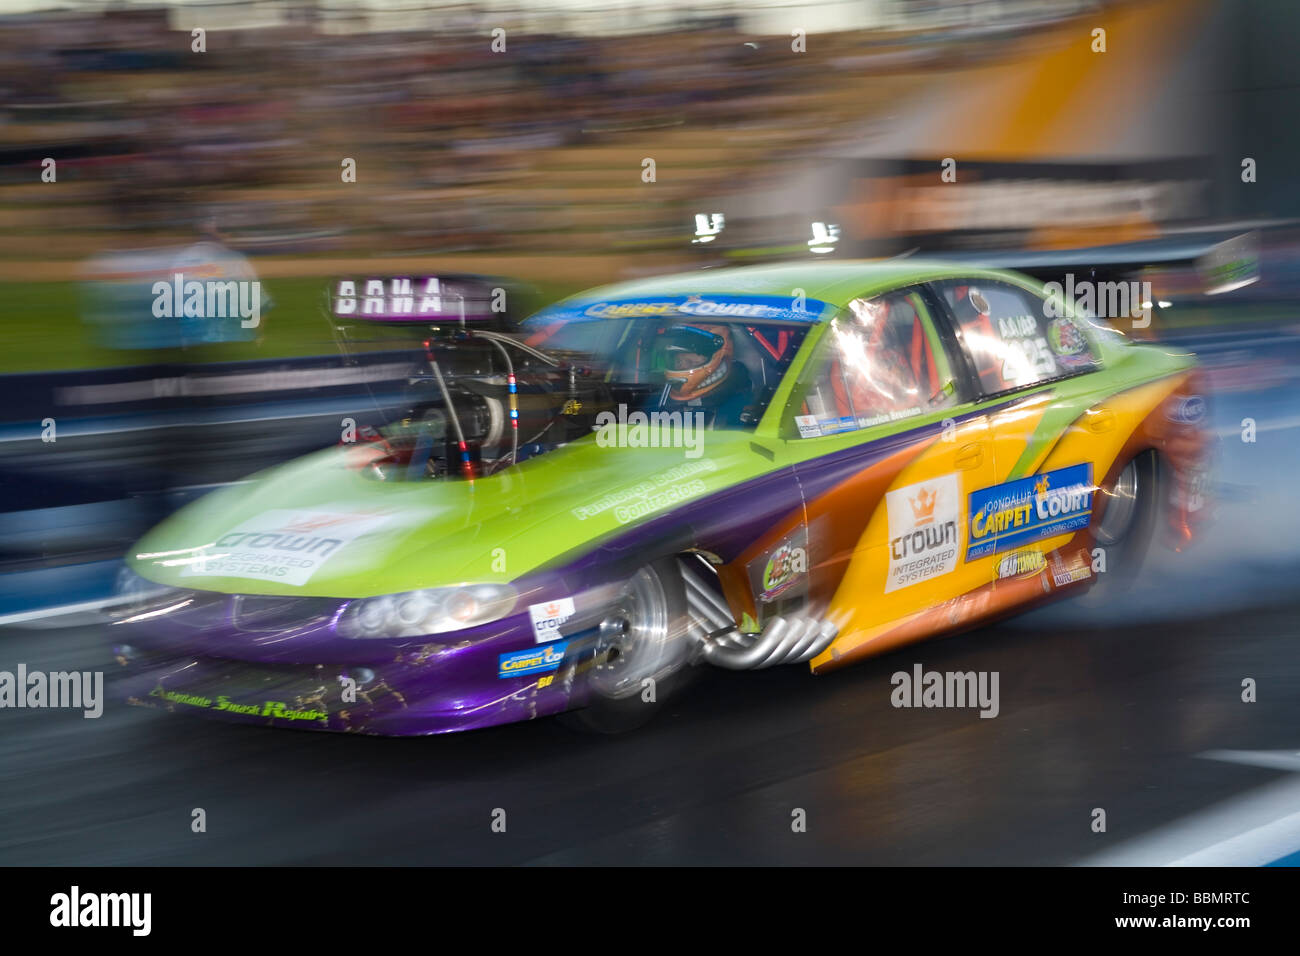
643 653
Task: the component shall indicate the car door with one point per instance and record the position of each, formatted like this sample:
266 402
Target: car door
1022 351
888 444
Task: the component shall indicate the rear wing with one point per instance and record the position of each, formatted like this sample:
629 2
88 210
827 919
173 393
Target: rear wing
425 300
401 310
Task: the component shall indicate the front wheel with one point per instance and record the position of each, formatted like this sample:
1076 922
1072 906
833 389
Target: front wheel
643 652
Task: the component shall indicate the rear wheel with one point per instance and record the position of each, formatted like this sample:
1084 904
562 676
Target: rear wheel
643 652
1128 522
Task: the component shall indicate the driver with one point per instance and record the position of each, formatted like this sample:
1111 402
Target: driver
702 372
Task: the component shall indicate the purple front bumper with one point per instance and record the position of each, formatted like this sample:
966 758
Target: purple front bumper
284 665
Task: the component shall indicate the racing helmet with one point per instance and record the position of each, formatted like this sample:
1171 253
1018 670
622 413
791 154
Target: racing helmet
698 359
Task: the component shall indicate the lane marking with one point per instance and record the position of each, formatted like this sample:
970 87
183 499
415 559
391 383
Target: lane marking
1257 828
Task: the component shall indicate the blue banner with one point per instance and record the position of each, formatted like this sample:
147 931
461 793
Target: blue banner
703 307
1019 512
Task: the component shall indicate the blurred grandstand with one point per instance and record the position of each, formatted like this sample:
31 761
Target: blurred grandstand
776 131
459 149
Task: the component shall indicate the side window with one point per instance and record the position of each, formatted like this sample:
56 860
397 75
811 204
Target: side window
880 361
1010 337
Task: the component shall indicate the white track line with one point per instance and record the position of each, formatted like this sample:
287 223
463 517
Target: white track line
1255 828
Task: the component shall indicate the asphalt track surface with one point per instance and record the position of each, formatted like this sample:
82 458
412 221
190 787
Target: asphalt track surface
1111 705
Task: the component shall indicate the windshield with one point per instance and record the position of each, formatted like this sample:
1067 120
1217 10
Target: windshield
725 369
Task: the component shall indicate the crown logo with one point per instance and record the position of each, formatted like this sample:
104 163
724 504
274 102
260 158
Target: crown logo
923 506
1041 485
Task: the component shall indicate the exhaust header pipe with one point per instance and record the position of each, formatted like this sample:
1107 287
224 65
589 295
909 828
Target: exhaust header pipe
785 640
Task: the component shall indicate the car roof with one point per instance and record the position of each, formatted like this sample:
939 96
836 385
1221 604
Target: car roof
836 283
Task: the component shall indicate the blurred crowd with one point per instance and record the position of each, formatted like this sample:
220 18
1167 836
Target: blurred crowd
536 145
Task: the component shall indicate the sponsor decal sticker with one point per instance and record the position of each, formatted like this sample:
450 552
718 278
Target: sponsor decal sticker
262 708
1016 513
1062 575
1065 338
661 490
808 426
1190 493
892 416
548 617
531 660
1068 343
751 307
286 546
1187 410
786 565
1021 564
924 531
833 426
1074 574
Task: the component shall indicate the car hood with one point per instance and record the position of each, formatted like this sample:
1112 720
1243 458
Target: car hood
320 526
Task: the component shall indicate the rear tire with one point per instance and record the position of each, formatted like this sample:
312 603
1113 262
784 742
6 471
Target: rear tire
643 653
1128 523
